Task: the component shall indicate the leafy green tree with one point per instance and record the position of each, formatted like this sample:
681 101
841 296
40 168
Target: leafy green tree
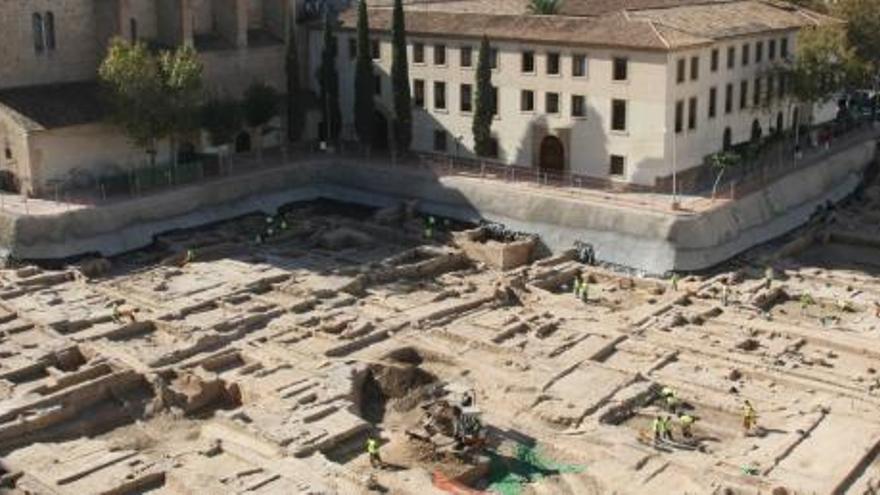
130 74
364 105
862 28
824 64
329 81
181 75
400 81
222 119
485 104
543 7
295 101
863 33
720 163
260 105
152 97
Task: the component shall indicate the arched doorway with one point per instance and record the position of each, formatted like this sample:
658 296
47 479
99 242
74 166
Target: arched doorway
552 158
756 131
242 142
380 132
780 123
727 140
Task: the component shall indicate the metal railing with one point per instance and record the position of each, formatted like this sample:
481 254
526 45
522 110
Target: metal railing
773 164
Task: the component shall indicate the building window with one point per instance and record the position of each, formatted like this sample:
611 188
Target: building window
692 114
553 63
695 68
731 57
439 95
728 99
493 58
527 100
49 28
783 47
466 56
713 102
621 69
375 53
528 62
418 53
616 167
680 71
551 103
771 49
618 115
352 48
377 84
756 96
439 54
578 106
743 94
39 37
759 51
713 63
133 29
769 91
467 104
495 101
440 140
578 65
419 92
745 55
679 116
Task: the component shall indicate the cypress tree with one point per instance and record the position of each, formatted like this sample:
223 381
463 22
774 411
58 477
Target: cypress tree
329 80
400 81
364 106
483 113
295 110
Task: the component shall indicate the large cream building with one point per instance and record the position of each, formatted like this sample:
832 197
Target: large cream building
624 90
52 128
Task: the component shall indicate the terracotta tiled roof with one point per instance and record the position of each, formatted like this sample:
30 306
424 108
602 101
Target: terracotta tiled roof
55 105
635 24
728 19
602 7
613 30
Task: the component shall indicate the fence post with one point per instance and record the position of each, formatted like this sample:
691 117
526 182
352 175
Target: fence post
482 169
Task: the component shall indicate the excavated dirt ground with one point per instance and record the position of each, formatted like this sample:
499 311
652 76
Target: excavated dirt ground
261 368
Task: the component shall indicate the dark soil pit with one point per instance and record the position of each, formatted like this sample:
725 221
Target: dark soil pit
383 384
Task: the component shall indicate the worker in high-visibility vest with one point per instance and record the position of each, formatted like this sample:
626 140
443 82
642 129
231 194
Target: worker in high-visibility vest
686 422
373 451
670 399
750 416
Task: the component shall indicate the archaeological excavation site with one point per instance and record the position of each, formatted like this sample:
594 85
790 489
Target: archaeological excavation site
335 349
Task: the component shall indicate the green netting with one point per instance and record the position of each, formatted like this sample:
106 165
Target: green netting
507 475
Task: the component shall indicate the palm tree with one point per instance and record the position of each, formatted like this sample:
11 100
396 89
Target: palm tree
543 7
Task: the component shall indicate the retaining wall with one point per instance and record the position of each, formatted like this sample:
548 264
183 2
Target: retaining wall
652 241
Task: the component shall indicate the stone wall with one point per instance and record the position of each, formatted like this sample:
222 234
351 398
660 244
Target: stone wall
76 53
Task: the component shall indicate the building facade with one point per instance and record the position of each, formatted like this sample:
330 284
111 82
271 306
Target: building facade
625 95
52 128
